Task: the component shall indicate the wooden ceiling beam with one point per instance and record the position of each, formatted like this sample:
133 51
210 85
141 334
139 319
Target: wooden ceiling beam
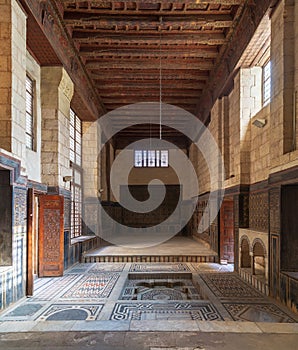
143 53
153 94
81 12
162 2
168 38
152 46
186 64
171 100
110 83
145 22
152 74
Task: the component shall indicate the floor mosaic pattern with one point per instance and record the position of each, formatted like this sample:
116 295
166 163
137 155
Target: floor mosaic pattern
157 267
104 267
146 291
170 289
66 312
229 285
165 311
93 286
262 312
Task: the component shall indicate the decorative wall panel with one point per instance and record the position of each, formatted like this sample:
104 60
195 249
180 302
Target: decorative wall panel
51 236
259 211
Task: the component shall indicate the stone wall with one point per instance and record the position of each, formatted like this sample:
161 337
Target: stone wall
56 94
259 160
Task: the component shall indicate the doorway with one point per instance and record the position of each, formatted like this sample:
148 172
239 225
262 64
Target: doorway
32 240
226 249
289 228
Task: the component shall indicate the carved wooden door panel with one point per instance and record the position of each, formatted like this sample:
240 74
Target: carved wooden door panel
51 236
227 231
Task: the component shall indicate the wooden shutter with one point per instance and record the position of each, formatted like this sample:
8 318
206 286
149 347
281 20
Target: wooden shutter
51 236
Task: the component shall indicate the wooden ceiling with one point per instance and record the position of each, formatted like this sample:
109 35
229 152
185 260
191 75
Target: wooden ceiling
124 52
131 48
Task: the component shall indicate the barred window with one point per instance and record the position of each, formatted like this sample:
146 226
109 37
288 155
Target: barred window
266 83
75 138
76 202
29 113
75 155
151 158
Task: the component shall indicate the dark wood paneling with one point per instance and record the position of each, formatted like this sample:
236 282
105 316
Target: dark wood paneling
289 228
5 219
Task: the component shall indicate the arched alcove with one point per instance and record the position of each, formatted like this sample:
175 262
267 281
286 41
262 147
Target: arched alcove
259 254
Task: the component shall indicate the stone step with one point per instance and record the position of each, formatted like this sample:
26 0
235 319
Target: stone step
149 258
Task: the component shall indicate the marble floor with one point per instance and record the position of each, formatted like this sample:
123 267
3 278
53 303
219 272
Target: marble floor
178 245
205 297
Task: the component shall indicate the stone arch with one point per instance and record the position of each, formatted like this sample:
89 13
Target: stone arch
259 255
245 260
259 248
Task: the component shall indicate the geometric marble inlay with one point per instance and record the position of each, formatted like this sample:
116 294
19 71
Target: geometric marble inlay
257 312
107 267
165 311
156 267
159 289
93 286
229 285
66 312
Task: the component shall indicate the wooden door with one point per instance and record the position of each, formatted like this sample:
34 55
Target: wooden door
227 231
51 236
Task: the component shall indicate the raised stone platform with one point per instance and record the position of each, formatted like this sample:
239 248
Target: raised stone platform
177 249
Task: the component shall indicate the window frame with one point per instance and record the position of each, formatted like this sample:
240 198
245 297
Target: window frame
143 157
266 83
76 138
76 187
76 210
30 134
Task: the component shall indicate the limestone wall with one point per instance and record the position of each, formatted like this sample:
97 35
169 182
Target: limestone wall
56 94
260 147
284 68
5 75
142 176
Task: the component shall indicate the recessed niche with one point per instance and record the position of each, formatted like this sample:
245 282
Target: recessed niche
158 287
